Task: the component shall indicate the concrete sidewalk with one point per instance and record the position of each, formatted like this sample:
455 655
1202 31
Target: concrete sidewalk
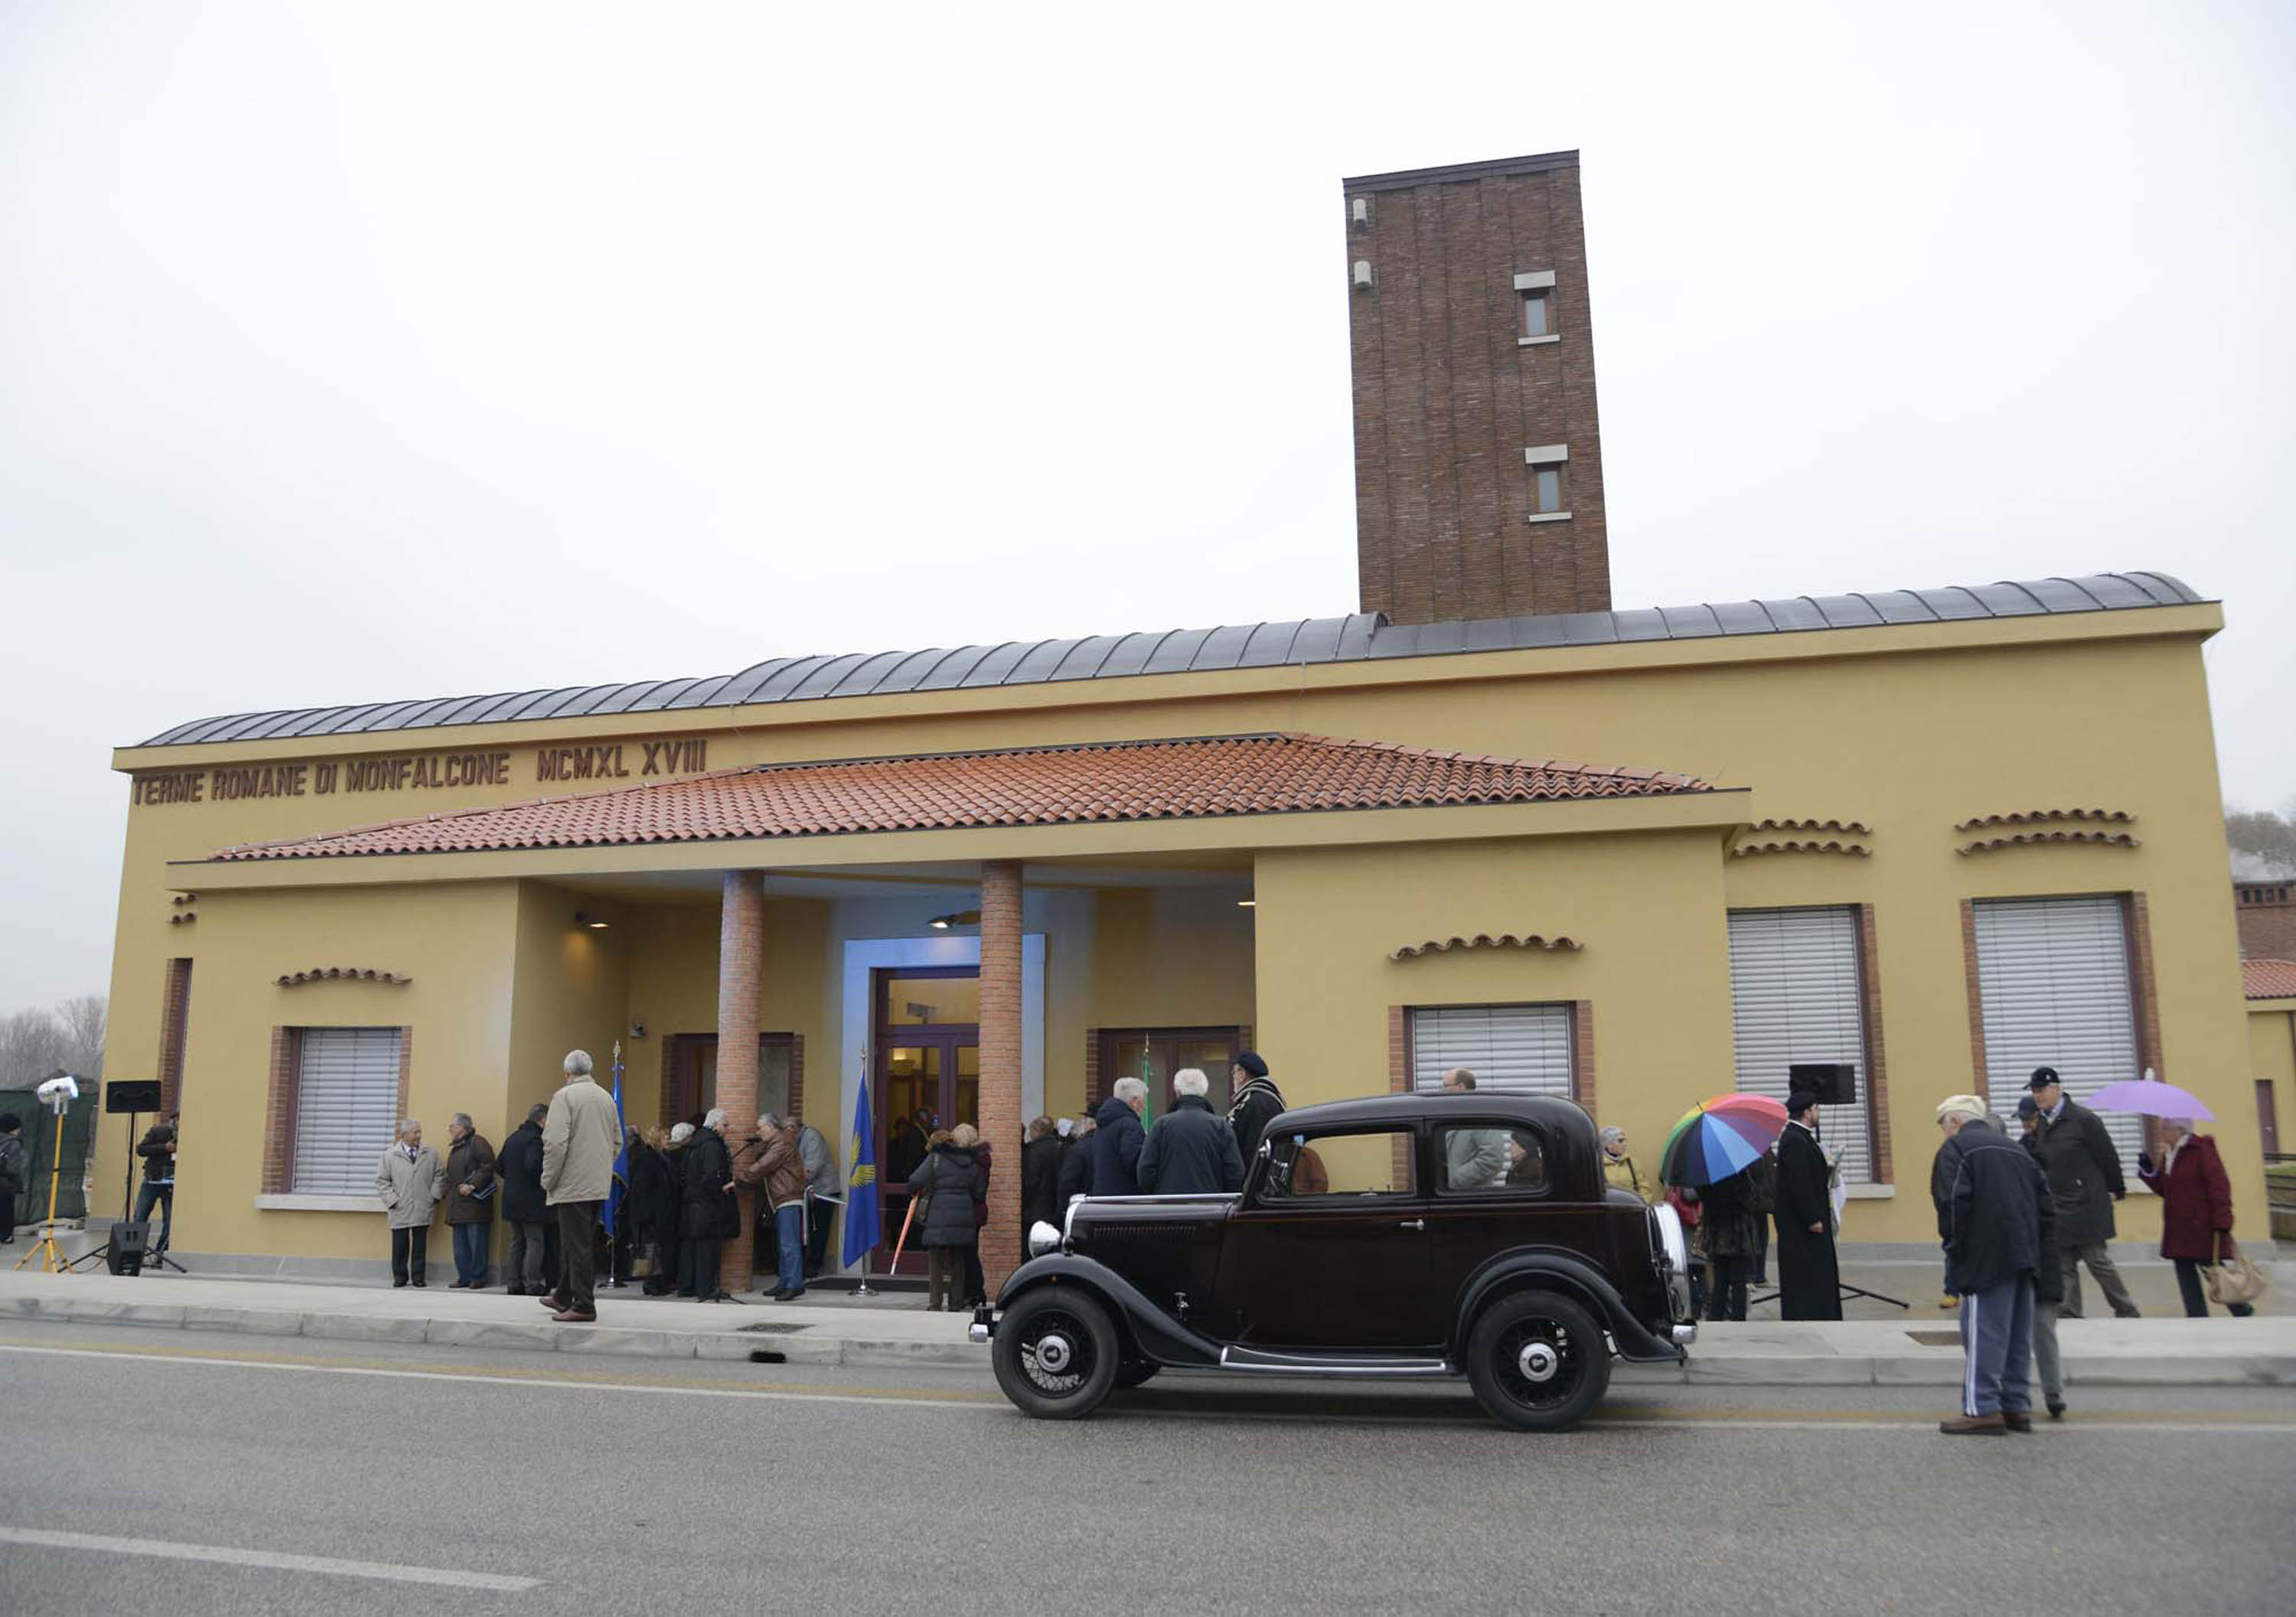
836 1328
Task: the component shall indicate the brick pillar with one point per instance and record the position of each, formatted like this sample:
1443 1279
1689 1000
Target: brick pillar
741 953
1000 1064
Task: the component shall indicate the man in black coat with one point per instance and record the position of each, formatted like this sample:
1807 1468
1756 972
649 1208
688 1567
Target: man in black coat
524 1205
1191 1149
1809 1278
710 1213
1257 1103
1994 1217
1117 1143
1040 1179
2084 1173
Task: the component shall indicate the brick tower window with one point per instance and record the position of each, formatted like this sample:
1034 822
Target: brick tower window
1535 313
1545 466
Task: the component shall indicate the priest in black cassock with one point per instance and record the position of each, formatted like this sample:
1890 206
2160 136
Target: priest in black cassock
1809 1281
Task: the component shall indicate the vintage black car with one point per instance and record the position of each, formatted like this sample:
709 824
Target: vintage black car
1405 1236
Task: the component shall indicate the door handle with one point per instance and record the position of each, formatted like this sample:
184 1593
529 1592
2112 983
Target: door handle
1412 1224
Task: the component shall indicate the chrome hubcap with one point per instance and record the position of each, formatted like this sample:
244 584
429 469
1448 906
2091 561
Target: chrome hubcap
1054 1352
1539 1362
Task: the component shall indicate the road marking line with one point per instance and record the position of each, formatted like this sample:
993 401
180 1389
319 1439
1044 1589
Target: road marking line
271 1560
1616 1419
976 1400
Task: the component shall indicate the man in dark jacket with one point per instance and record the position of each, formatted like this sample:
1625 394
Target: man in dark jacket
1076 1167
1995 1220
14 1173
1810 1279
1256 1104
471 1191
1191 1149
1040 1179
157 1150
2084 1173
712 1212
1116 1144
524 1206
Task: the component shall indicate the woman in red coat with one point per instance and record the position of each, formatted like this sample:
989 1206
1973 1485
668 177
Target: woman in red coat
2195 1211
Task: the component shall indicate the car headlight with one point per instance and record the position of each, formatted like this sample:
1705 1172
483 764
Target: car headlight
1043 1238
1666 1225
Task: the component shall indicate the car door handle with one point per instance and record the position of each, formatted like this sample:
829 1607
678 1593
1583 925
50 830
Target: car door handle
1412 1224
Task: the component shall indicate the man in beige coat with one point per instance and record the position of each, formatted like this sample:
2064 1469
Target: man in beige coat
580 1139
409 1180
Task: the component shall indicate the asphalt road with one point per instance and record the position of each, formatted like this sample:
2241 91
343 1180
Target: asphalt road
600 1483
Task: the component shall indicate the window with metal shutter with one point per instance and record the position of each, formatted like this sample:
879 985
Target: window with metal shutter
2053 978
345 1108
1795 997
1512 1049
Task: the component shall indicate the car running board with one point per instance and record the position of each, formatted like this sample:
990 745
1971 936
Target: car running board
1331 1364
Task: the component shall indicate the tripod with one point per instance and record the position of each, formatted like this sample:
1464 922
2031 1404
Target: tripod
51 1255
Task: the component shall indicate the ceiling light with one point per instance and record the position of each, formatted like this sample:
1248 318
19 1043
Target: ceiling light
596 924
1247 904
958 917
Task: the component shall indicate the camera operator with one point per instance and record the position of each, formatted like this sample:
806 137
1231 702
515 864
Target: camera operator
157 1150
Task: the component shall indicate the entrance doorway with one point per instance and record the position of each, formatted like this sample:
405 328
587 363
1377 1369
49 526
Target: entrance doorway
692 1080
1153 1054
927 1021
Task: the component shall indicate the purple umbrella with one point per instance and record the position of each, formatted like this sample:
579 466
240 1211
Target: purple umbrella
2151 1097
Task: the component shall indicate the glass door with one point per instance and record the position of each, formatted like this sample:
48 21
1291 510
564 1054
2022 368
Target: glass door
928 1080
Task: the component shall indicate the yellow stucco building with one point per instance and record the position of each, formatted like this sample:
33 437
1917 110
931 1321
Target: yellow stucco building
1946 835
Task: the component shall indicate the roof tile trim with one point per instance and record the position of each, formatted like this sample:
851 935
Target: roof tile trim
1190 778
1437 946
1304 641
2268 979
2111 838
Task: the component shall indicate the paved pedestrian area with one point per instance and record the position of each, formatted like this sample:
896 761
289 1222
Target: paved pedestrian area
833 1328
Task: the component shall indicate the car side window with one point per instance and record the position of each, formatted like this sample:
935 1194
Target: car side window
1316 1166
1478 1159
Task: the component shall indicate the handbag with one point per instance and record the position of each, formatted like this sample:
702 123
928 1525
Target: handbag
647 1263
2234 1276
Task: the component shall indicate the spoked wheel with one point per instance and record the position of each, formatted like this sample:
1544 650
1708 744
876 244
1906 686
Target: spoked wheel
1537 1361
1057 1354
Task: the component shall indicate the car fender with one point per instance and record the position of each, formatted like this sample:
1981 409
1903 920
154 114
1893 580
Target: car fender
1571 1273
1154 1332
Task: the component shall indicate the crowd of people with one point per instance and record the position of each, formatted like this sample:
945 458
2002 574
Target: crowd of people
2017 1219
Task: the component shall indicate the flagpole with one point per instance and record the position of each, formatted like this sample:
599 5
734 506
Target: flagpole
865 1289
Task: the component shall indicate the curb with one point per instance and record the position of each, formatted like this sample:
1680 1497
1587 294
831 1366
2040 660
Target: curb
796 1346
803 1346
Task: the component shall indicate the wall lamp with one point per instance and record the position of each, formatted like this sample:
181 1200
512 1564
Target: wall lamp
596 924
1247 904
959 917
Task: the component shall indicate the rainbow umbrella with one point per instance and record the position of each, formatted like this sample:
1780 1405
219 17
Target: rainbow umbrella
1717 1138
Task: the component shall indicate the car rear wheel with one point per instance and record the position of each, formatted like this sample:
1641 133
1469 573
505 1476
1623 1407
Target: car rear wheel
1537 1361
1056 1353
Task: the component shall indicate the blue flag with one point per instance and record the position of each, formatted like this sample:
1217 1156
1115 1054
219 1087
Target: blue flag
861 1216
612 1212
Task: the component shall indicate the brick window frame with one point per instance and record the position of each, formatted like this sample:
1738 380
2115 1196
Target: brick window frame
280 1102
1877 1065
1582 1047
175 1017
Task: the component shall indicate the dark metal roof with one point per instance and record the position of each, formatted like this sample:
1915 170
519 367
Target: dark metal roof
1298 642
1450 174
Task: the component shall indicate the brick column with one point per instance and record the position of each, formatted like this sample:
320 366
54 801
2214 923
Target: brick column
741 953
1000 1064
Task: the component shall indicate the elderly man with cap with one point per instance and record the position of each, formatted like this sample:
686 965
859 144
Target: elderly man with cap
1996 1220
1809 1278
2084 1173
1257 1103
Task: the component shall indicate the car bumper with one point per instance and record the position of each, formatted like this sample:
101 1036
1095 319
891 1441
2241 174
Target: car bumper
1681 1336
983 1326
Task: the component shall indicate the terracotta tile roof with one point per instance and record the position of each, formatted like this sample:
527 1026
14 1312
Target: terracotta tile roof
1199 777
2268 979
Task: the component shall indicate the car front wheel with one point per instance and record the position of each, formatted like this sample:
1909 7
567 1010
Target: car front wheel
1056 1353
1537 1361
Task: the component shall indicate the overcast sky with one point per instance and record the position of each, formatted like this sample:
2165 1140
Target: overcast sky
352 353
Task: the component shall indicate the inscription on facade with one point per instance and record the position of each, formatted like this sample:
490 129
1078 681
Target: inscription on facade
418 772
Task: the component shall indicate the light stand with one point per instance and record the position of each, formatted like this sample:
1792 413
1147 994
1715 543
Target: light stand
57 1095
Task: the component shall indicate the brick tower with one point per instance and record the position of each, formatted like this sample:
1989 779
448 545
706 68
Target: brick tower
1478 465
